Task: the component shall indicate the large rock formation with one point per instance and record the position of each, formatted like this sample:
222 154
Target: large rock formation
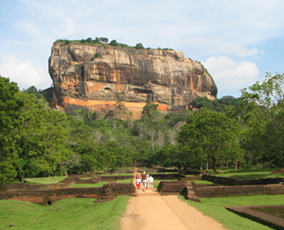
106 78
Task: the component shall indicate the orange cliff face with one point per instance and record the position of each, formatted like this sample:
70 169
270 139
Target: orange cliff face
135 108
108 79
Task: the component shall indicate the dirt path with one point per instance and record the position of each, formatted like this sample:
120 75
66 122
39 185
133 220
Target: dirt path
149 210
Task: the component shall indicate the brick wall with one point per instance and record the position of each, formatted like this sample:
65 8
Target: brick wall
242 190
236 181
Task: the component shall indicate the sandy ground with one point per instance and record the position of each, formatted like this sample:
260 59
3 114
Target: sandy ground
149 210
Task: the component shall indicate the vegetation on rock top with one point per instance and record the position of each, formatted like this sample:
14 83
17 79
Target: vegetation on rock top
102 41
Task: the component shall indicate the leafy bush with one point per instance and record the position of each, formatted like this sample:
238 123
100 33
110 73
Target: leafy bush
139 46
97 55
113 43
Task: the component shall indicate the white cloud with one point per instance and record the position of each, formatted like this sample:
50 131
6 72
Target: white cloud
218 46
201 29
237 49
24 73
231 74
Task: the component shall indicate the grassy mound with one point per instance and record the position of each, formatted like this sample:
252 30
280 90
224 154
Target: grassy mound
72 213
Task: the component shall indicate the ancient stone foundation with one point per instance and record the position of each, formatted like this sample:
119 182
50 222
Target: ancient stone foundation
261 217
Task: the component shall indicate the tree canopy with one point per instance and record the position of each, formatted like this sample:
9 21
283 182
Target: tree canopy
212 135
36 140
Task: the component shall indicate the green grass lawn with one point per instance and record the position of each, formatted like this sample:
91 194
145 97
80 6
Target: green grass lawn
249 174
45 180
202 182
100 184
85 178
214 207
117 174
67 214
157 182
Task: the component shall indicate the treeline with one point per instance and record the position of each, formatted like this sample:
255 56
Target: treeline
37 141
245 132
102 41
228 132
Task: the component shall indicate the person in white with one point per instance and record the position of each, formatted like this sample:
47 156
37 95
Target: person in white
151 182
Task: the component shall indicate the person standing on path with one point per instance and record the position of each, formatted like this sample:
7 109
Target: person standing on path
147 181
138 183
144 180
151 181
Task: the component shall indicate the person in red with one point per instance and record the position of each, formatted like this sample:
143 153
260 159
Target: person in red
144 180
138 182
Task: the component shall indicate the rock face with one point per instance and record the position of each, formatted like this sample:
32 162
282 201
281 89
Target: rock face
108 78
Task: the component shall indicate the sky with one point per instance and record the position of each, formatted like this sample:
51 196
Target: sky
237 41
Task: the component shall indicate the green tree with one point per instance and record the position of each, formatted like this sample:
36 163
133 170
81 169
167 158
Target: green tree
150 110
81 142
200 102
104 40
213 135
262 112
41 139
7 172
113 43
219 105
11 104
139 46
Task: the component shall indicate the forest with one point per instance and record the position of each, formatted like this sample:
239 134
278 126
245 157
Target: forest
229 132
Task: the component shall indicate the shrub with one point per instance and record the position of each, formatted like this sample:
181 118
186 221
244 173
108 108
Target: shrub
139 46
97 55
104 40
113 43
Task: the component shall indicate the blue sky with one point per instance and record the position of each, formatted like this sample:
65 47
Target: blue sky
238 41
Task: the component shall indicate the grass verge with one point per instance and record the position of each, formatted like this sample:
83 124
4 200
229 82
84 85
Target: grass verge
99 184
214 207
67 214
45 180
202 182
249 174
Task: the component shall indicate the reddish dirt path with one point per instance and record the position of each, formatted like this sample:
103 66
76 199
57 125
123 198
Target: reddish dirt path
149 210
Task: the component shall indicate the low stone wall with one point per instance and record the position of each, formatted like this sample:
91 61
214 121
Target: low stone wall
191 172
197 177
171 187
263 218
189 193
74 179
70 192
168 176
110 191
32 187
236 181
118 171
52 195
244 190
